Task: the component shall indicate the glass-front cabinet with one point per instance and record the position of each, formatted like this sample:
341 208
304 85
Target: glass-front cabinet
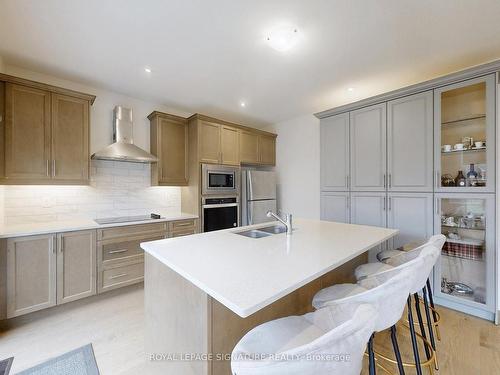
464 274
465 136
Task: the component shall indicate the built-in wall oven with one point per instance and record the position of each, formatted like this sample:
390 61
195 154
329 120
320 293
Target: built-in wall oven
219 213
219 180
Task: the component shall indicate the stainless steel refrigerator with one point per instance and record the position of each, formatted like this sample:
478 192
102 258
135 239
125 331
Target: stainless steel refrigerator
258 195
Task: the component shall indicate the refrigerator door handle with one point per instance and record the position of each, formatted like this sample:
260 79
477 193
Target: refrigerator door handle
249 185
249 214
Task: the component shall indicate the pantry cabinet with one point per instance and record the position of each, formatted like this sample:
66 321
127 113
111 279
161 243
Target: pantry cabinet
412 215
76 265
368 148
369 209
335 206
31 274
410 143
45 133
334 149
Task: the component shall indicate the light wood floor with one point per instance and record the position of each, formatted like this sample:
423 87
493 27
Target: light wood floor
113 323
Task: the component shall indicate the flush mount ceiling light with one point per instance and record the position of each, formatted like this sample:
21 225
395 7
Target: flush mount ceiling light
283 38
243 104
147 69
350 89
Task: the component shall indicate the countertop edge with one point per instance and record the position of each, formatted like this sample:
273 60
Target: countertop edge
246 312
84 226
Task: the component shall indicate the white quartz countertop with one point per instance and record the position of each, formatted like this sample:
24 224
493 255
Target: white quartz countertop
30 229
247 274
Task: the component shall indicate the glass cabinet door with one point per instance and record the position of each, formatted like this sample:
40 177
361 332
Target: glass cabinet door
464 135
464 274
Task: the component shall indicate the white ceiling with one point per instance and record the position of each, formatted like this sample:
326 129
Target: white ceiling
207 56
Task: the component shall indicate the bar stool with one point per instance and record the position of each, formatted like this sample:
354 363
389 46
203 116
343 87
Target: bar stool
430 255
387 291
392 258
328 341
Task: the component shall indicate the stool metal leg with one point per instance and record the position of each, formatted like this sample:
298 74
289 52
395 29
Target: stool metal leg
396 350
429 325
414 339
371 357
421 324
431 300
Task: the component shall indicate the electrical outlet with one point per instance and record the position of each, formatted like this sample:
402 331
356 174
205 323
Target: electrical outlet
48 202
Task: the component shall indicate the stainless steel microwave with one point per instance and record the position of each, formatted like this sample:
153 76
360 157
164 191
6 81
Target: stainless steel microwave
219 179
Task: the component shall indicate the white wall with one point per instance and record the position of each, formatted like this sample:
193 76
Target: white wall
117 189
2 67
297 166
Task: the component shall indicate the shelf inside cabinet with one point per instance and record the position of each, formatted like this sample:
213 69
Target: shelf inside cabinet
468 118
458 227
473 149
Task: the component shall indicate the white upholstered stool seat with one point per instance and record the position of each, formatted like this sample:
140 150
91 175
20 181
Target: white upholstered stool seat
304 345
368 269
336 292
386 254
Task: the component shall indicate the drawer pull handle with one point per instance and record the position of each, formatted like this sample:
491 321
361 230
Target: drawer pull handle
118 276
180 234
117 251
183 224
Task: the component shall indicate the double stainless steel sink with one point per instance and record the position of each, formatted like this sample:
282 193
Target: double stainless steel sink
263 232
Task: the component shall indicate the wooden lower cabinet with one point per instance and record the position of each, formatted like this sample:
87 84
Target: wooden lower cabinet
76 265
31 274
52 269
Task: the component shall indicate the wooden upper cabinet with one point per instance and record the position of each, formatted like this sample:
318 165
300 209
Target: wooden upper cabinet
44 133
230 145
209 136
169 143
70 138
27 133
267 149
249 147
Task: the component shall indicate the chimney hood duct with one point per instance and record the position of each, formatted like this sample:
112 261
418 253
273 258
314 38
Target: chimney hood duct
123 148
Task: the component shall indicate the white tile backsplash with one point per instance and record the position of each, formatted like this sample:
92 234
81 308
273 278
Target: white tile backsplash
116 189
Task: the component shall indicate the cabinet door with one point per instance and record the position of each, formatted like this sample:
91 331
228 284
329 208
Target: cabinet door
369 209
335 207
410 143
230 146
334 146
464 136
368 148
209 142
70 138
76 265
249 147
267 150
173 152
27 133
412 214
31 274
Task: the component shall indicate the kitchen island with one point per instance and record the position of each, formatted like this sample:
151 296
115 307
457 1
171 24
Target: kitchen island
204 292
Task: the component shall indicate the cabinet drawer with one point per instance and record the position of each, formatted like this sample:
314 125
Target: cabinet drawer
124 249
181 225
185 232
130 230
121 276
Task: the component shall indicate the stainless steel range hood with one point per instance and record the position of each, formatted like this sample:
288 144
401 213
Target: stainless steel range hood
123 148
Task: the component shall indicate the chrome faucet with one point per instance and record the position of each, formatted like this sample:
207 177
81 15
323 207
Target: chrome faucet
287 222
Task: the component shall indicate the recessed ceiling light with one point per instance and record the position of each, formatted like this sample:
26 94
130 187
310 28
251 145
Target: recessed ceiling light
283 38
350 89
147 69
243 104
